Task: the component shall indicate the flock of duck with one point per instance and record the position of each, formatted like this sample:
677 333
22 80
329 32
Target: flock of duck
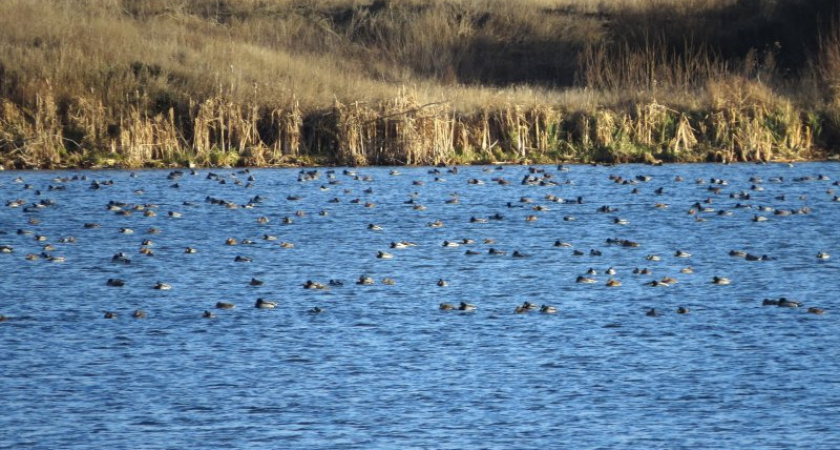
37 246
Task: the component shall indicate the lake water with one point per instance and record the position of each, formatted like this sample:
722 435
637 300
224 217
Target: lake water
382 366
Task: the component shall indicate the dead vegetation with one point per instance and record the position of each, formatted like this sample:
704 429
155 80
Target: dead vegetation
275 82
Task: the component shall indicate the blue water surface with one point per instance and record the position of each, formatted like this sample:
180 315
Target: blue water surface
382 366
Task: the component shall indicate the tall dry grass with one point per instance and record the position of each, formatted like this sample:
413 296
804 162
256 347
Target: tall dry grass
261 82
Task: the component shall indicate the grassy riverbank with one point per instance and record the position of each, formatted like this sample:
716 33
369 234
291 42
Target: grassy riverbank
264 82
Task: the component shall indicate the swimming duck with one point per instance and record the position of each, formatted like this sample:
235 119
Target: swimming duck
656 283
264 304
785 303
683 310
243 259
613 283
583 279
815 310
256 282
823 256
770 302
641 271
139 314
313 285
652 313
110 315
464 306
208 315
668 280
230 241
720 280
682 254
653 258
190 250
121 258
518 254
315 310
494 251
384 255
442 283
388 281
562 244
115 282
225 305
162 286
548 309
365 280
446 307
451 244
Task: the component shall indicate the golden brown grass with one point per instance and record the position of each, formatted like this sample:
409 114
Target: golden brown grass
415 82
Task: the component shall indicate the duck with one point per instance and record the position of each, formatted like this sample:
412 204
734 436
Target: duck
225 305
365 280
446 307
384 255
652 313
548 309
770 302
785 303
139 314
115 282
442 283
494 251
816 310
313 285
388 281
682 254
190 250
264 304
256 282
162 286
464 306
243 259
315 310
110 315
208 315
720 280
583 279
656 283
613 283
683 310
823 256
